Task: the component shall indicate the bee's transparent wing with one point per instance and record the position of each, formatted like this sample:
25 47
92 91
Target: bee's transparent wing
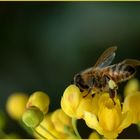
106 58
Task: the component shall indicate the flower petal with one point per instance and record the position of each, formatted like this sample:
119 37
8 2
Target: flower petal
126 121
131 87
85 105
92 122
70 100
67 109
132 104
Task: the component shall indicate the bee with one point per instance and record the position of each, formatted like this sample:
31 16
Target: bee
105 77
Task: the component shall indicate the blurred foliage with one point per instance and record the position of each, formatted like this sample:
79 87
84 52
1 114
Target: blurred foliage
43 44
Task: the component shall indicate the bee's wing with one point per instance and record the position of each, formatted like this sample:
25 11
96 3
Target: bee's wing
131 62
106 58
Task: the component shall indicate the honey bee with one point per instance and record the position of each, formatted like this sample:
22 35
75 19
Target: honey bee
105 77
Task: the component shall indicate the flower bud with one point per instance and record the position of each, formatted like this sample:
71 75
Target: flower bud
40 100
60 120
32 117
48 124
16 105
94 135
132 104
131 87
70 100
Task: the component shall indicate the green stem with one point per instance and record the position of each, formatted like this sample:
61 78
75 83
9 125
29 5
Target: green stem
45 129
30 130
42 137
27 129
138 125
74 124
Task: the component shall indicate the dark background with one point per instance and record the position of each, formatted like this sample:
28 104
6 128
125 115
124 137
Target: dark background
43 44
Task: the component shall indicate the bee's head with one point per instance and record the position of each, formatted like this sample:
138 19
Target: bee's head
79 82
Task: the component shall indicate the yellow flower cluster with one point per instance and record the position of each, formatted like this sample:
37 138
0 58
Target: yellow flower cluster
46 125
110 120
39 100
107 117
100 112
36 107
56 125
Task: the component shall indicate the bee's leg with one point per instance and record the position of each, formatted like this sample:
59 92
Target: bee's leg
105 80
112 87
112 94
89 92
85 95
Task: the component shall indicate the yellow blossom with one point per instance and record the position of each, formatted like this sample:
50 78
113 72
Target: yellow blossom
53 127
74 104
40 100
47 123
132 104
110 120
16 105
131 86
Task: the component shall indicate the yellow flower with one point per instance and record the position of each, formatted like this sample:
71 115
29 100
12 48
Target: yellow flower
131 86
110 120
132 104
74 104
40 100
132 100
16 105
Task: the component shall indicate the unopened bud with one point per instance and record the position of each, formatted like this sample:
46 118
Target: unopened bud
32 117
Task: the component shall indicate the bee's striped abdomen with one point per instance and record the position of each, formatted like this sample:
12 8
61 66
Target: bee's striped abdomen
121 72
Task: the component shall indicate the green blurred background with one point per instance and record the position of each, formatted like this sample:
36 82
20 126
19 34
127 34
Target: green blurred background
43 44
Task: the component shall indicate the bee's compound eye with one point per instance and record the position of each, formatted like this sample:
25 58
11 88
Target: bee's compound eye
80 82
78 78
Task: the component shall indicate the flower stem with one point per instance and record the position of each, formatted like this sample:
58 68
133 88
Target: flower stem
45 129
27 129
74 124
30 130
